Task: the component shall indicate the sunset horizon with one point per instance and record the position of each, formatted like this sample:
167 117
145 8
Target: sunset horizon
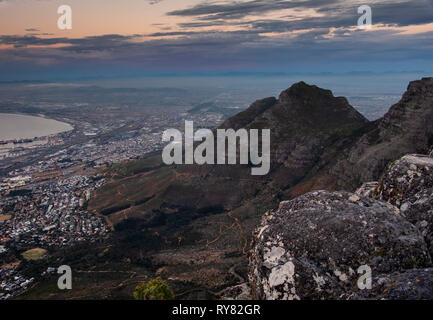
110 39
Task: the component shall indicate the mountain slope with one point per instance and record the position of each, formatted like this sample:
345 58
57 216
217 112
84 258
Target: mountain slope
406 128
304 121
195 222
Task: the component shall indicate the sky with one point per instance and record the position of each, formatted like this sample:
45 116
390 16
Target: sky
114 38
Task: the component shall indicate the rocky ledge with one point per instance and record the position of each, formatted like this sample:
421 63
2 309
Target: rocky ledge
318 246
405 178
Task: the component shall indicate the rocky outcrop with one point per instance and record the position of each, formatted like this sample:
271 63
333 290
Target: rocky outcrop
418 209
405 178
312 246
416 284
335 224
318 141
408 183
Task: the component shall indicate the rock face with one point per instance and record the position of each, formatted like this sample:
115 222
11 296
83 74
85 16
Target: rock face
408 183
416 284
312 246
418 209
405 178
340 232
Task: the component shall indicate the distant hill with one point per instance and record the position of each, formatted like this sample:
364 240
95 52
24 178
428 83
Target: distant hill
212 107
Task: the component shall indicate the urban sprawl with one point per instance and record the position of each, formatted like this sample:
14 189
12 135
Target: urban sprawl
45 186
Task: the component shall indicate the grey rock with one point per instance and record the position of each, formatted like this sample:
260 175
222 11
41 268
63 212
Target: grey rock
405 178
239 292
312 246
418 209
415 284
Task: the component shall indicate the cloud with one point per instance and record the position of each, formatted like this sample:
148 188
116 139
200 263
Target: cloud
240 50
86 43
270 35
154 1
237 10
329 13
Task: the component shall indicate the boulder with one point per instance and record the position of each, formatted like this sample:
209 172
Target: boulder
408 183
404 178
312 246
418 209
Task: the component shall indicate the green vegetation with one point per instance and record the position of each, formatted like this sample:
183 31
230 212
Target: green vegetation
156 289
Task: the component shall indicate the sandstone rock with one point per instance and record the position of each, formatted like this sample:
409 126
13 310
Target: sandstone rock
415 284
405 178
311 247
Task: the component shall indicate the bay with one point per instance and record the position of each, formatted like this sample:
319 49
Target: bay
17 126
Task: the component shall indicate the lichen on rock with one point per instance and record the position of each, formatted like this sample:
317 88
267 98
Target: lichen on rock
312 246
404 178
415 284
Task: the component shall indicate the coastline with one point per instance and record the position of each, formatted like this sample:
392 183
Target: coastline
22 138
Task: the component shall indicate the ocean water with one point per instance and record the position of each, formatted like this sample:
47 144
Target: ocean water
16 126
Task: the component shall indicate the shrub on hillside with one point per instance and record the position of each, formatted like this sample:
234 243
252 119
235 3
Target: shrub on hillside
156 289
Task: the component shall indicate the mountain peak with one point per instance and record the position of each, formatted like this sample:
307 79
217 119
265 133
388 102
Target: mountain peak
405 129
412 114
419 87
302 89
301 107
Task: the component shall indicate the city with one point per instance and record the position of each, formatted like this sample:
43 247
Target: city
45 187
